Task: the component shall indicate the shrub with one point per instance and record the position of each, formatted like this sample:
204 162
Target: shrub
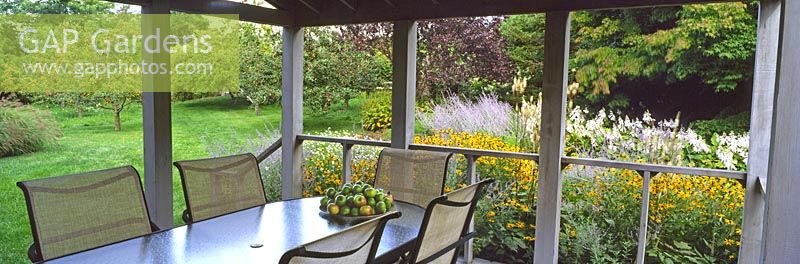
738 124
600 216
487 115
376 113
186 96
26 129
270 167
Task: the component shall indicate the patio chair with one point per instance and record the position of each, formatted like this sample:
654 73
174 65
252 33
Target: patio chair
77 212
413 176
218 186
445 226
357 244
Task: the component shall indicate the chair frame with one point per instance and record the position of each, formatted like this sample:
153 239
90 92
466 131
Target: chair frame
35 249
465 236
187 213
301 251
444 173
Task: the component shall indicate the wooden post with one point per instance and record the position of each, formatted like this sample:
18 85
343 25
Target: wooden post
643 215
404 82
781 233
157 124
472 177
760 129
292 113
554 94
347 163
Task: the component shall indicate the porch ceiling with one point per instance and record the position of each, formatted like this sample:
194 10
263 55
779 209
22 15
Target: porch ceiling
304 13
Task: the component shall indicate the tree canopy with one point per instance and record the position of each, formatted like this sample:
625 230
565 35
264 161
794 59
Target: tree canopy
55 7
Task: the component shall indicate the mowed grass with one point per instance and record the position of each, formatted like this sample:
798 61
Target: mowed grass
90 143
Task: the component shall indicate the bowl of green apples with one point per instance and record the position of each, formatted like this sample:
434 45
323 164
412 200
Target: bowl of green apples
355 202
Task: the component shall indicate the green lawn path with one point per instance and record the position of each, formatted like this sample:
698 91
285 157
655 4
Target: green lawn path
89 143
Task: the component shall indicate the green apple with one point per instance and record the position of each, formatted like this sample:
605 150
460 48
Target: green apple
347 189
358 189
345 210
359 200
366 210
324 201
341 200
371 201
330 192
380 196
333 209
350 201
354 212
370 192
323 207
367 186
389 201
380 207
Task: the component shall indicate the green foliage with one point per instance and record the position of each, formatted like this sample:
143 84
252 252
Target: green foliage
260 65
739 123
476 87
55 7
681 252
336 71
26 129
525 39
186 96
78 101
376 113
712 42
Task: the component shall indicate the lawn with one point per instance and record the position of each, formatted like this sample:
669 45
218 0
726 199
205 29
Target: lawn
90 143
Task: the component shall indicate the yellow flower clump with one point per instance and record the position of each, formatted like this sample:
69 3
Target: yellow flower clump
508 204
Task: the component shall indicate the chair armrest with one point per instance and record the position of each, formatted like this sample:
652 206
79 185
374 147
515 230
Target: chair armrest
33 255
185 217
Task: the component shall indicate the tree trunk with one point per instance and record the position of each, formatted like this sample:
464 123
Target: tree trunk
78 107
346 103
258 109
117 126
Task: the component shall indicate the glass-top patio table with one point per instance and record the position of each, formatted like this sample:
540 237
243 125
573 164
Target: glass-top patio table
235 238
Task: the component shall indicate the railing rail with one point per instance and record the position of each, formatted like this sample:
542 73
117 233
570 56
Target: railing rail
646 171
267 152
477 152
738 175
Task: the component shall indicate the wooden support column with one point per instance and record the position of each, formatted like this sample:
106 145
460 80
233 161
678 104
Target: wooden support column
292 113
781 240
347 163
554 94
404 82
472 177
760 129
157 123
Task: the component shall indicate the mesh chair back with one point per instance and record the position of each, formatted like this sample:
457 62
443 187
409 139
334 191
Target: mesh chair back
446 224
217 186
357 244
76 212
413 176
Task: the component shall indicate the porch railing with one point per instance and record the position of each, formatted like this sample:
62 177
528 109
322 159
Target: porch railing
646 171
